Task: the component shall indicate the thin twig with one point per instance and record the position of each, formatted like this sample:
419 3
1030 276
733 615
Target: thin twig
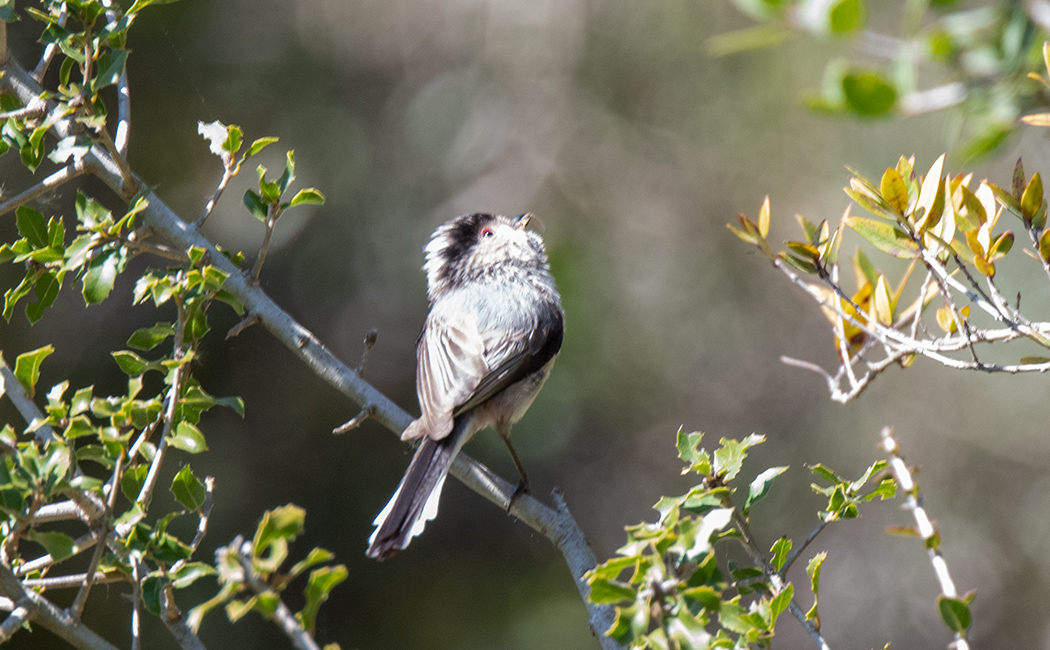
924 526
49 184
795 553
355 421
271 222
228 172
153 474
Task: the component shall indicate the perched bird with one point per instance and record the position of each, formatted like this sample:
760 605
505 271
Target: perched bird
487 346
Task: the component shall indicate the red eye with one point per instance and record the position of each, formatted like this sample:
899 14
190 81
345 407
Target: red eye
486 232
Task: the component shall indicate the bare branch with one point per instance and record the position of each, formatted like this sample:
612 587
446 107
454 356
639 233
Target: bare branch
922 520
44 613
73 580
49 184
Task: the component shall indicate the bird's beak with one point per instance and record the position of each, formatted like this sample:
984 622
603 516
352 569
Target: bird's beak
522 220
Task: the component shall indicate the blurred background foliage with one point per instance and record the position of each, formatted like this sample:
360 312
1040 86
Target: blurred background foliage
616 123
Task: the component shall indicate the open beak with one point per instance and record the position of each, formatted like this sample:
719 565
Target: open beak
522 220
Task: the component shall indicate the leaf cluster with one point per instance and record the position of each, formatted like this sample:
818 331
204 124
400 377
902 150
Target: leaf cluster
667 583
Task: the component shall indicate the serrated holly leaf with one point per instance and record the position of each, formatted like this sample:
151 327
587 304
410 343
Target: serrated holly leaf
101 274
283 523
27 367
315 557
318 587
780 550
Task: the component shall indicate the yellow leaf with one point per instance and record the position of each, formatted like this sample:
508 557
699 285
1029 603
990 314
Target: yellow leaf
895 191
763 218
883 306
931 196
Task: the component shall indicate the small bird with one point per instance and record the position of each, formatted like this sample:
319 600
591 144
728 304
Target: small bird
487 346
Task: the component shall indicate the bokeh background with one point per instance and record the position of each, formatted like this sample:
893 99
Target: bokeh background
611 121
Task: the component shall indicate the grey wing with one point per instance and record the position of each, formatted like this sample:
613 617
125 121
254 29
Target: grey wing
450 363
516 355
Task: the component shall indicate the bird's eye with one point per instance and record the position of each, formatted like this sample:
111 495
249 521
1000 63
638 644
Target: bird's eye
486 232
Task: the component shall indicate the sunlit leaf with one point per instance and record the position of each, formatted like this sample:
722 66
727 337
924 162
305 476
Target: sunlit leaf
887 237
895 191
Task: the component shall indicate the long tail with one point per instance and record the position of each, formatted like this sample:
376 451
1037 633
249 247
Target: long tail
416 500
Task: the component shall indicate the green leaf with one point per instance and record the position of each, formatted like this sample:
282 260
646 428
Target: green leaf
315 557
886 237
132 364
59 545
318 587
289 173
954 613
689 451
813 571
729 457
868 94
846 16
101 274
188 438
780 550
255 205
31 225
258 146
610 592
46 288
283 523
309 196
132 481
7 11
109 68
188 491
189 573
27 367
147 338
759 487
779 603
